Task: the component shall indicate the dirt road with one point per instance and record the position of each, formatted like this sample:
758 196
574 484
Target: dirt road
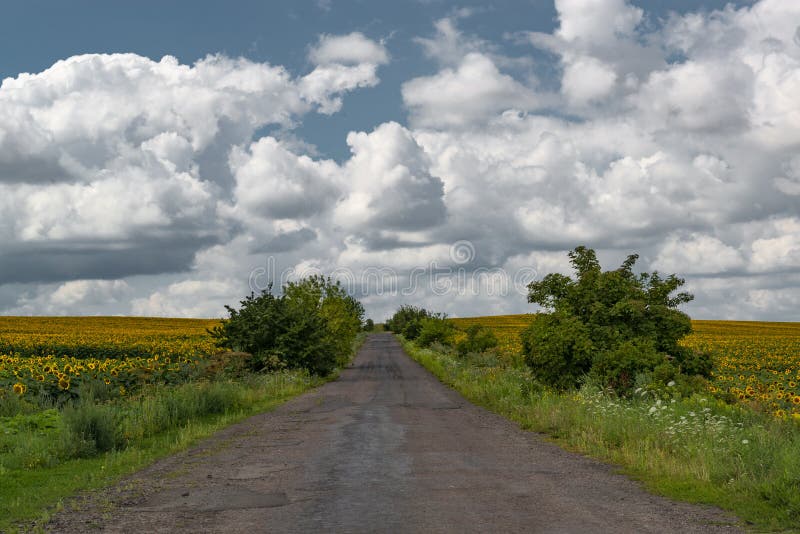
386 448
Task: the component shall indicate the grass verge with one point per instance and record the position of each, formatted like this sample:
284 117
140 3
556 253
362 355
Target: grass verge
697 449
40 452
35 480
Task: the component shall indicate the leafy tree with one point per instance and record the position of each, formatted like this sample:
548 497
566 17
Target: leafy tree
408 321
341 312
255 325
479 339
611 324
311 326
558 348
435 329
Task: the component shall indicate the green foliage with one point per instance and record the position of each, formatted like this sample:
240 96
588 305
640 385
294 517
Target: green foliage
479 339
91 429
421 325
311 326
43 458
43 421
435 329
369 325
408 321
558 349
612 324
618 367
11 405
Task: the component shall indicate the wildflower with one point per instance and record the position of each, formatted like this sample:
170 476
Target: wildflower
671 384
745 441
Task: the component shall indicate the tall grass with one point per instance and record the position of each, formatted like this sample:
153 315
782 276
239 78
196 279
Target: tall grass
49 451
44 455
87 428
697 449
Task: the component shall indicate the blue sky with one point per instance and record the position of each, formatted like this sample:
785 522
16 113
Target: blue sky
356 137
278 32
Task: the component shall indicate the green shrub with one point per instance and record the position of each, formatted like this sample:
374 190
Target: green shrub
694 363
558 349
91 429
311 326
435 329
412 329
614 324
618 368
407 320
11 404
479 339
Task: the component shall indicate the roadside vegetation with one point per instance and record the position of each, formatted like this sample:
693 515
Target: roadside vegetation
605 370
310 326
74 422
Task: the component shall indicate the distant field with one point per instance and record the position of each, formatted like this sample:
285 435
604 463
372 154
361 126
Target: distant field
506 327
59 354
756 363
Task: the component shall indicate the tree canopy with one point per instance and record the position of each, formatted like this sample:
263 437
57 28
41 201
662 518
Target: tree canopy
311 326
613 325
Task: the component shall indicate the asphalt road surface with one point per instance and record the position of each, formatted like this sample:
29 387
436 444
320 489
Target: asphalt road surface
385 448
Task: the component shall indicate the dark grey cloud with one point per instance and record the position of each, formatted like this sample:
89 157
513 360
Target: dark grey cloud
110 261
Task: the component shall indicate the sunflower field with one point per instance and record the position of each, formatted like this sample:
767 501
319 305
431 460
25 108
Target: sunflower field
755 363
61 357
506 327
